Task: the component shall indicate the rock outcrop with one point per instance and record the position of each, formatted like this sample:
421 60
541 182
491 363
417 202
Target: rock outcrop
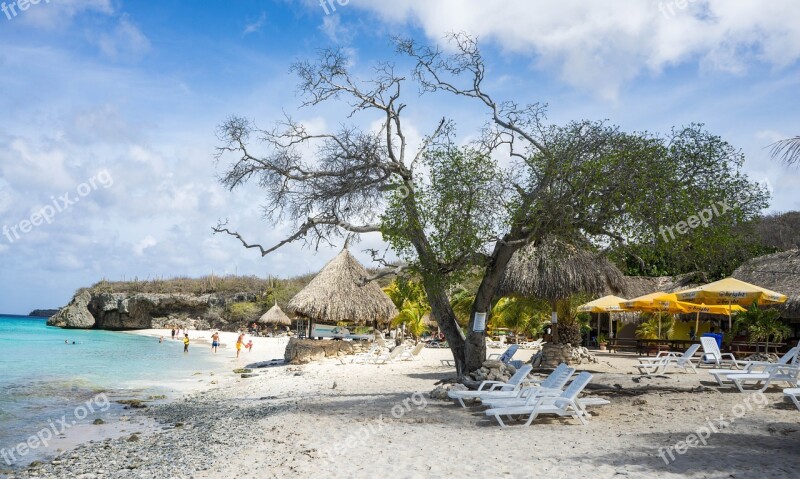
554 354
121 311
302 351
75 315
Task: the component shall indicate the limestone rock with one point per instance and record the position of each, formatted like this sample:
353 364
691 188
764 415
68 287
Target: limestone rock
75 315
302 351
440 392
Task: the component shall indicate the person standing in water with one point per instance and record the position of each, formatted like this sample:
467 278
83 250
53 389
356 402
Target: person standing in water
173 333
186 343
215 342
239 342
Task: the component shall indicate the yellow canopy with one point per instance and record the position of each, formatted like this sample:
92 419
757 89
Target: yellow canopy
730 291
606 304
654 302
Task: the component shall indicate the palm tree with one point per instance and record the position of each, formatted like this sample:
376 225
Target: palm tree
787 150
461 302
762 325
412 316
519 314
650 326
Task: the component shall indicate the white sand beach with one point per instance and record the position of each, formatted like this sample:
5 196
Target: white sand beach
329 419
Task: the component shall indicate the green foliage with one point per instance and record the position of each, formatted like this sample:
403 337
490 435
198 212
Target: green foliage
700 174
761 325
523 316
461 302
402 290
457 207
243 312
412 316
650 326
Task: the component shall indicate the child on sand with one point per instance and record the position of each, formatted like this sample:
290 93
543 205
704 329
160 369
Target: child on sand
249 346
186 343
239 342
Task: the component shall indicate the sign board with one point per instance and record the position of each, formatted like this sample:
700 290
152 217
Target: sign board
479 325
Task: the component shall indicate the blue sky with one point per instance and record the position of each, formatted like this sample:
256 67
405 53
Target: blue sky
115 104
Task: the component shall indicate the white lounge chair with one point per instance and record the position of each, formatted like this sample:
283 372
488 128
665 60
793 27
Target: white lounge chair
565 404
552 385
494 388
649 366
366 356
794 395
412 355
721 375
507 354
775 374
712 354
389 357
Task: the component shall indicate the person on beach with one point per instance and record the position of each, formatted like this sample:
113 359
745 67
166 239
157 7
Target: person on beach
215 342
249 346
186 343
239 343
173 333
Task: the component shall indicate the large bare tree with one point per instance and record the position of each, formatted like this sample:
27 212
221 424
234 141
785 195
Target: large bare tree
447 209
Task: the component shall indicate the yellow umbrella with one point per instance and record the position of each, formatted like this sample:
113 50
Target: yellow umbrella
606 304
722 309
730 291
658 302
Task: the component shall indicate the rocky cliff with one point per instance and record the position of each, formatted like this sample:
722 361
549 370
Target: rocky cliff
43 313
120 311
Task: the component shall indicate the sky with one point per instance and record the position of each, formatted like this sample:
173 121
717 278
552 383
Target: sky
110 110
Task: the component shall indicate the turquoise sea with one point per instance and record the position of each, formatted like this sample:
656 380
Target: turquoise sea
43 378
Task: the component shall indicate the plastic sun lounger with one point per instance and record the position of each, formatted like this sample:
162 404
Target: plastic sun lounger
794 395
389 357
711 353
787 374
651 366
412 355
721 375
507 355
494 388
365 357
553 385
565 404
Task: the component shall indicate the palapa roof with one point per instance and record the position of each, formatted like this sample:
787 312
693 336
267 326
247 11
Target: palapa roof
275 315
779 272
557 270
338 293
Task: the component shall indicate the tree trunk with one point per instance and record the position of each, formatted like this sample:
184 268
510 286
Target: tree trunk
476 341
446 319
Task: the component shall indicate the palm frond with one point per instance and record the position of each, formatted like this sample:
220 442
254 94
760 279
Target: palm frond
788 150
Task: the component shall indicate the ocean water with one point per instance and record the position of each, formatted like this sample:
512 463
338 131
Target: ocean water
43 379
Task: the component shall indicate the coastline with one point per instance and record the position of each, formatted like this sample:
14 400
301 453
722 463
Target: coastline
350 420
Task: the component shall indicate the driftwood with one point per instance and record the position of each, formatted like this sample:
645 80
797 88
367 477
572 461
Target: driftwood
618 390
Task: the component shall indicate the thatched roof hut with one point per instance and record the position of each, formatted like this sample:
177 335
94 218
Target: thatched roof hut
275 315
338 293
779 272
556 270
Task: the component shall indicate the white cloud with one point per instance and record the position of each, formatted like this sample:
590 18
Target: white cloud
256 25
57 14
126 39
144 243
601 46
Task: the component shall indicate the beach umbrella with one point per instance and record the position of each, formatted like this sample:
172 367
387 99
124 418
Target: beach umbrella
730 291
338 293
275 315
720 309
607 304
658 302
555 270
